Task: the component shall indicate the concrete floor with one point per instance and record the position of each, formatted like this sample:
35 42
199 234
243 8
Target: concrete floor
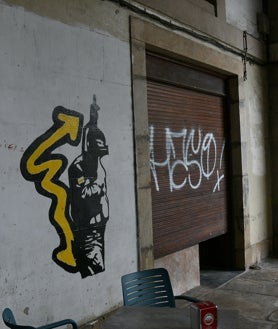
249 298
216 278
253 293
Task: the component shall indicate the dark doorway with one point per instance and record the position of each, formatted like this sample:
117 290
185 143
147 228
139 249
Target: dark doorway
217 264
216 253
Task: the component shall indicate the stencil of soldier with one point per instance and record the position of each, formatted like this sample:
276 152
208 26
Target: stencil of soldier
89 206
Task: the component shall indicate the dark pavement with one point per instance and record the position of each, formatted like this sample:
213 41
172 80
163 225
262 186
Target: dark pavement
249 298
253 293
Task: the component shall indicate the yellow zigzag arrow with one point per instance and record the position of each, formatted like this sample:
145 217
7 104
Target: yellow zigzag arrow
68 126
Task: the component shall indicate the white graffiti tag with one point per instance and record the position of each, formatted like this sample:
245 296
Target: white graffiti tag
199 156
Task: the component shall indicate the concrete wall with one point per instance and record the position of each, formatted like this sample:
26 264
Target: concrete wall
46 63
243 15
273 113
255 130
59 54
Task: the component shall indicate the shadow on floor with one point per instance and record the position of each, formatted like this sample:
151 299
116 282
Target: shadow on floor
215 278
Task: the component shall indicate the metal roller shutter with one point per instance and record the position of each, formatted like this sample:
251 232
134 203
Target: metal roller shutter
187 155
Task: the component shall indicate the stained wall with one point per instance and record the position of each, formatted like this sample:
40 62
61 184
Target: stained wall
50 71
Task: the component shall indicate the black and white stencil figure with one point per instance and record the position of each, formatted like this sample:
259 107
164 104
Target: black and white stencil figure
89 208
79 210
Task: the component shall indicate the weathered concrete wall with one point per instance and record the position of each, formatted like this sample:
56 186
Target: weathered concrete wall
183 268
273 113
256 131
243 14
44 64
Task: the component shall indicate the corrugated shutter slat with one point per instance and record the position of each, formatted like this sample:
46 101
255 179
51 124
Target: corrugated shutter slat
187 134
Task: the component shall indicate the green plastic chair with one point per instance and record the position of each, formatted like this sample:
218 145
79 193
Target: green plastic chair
10 322
150 288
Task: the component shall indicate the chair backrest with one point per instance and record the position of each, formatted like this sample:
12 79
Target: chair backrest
10 322
148 288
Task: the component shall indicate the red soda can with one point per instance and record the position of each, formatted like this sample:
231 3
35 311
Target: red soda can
203 315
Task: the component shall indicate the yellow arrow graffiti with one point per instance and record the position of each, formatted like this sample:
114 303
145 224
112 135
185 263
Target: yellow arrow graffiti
70 126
